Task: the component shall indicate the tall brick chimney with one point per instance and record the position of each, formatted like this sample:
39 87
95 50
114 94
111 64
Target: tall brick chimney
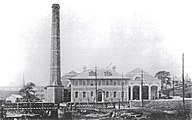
55 71
54 92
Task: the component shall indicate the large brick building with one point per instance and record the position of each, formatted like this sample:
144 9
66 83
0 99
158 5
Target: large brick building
112 86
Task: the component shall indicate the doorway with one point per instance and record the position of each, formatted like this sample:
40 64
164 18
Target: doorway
99 96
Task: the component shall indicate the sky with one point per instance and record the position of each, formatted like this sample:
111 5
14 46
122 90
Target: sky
150 34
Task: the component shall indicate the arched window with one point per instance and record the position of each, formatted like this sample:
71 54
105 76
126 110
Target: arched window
137 78
154 92
76 94
91 93
107 94
145 92
115 94
136 92
84 94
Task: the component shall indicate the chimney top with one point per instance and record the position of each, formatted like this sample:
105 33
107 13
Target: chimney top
55 6
114 68
84 68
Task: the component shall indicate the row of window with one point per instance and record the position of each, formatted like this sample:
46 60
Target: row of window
107 73
91 94
99 82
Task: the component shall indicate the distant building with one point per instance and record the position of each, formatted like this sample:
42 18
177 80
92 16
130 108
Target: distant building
6 91
14 98
67 85
187 78
178 80
112 86
65 79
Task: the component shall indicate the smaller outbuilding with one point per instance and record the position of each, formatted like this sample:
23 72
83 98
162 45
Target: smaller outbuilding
14 98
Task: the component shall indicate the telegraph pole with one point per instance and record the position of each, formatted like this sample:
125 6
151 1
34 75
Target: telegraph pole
122 93
128 92
183 79
96 84
173 87
142 88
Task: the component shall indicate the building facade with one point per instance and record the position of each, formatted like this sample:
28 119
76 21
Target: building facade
107 85
141 79
14 98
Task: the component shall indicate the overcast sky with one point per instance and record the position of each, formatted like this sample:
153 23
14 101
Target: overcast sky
148 34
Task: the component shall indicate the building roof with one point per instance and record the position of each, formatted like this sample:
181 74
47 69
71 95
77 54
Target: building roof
16 96
103 73
65 79
69 75
66 83
138 72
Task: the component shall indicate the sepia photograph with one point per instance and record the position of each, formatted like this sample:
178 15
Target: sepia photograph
96 60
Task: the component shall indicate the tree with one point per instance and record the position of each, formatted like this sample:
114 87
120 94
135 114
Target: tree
165 78
27 91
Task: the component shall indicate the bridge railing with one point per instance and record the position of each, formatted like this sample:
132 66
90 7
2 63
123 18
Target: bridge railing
25 105
73 105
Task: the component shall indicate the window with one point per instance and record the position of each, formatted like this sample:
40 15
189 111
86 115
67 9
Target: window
84 94
76 94
114 82
115 94
72 82
91 73
111 82
137 78
107 82
99 82
107 94
91 93
122 83
107 73
88 82
118 82
103 82
84 82
80 82
76 82
91 82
